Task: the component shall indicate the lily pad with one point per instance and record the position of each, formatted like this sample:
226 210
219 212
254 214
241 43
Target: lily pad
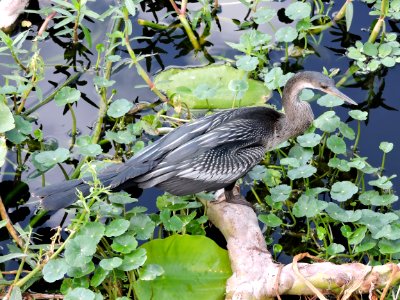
180 84
194 268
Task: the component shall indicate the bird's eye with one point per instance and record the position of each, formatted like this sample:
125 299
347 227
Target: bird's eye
323 86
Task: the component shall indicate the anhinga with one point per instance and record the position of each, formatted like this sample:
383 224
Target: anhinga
210 153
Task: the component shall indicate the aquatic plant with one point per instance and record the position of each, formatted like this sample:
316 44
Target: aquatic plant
318 191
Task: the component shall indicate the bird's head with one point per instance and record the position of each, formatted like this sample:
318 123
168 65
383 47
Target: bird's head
318 81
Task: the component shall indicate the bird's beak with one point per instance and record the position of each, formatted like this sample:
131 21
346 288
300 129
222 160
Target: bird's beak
335 92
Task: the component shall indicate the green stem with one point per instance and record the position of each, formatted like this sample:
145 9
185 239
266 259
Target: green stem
142 73
73 130
357 137
152 25
380 23
189 32
383 162
342 12
67 82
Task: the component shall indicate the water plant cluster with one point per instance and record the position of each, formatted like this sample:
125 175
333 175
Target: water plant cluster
316 193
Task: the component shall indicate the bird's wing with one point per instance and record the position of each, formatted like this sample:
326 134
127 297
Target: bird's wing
191 141
151 156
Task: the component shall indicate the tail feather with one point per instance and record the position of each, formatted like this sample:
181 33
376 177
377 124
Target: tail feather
61 195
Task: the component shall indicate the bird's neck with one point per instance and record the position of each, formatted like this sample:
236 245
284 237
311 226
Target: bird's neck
298 113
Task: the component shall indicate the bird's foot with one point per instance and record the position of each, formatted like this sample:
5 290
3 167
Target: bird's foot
239 199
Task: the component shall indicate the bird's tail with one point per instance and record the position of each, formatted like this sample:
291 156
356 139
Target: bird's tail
61 195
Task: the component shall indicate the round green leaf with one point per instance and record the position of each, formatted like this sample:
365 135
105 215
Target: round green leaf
336 144
6 118
143 226
117 227
67 95
389 231
303 155
80 294
355 54
202 264
79 251
308 206
309 140
121 198
389 247
328 121
247 63
340 164
133 260
386 147
301 172
358 115
286 34
329 101
382 182
125 243
54 270
388 61
280 193
298 10
335 249
370 49
50 158
103 82
384 50
375 221
109 264
343 190
347 131
119 108
19 133
98 277
270 220
264 15
339 214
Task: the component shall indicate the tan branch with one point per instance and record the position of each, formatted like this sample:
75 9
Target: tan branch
255 273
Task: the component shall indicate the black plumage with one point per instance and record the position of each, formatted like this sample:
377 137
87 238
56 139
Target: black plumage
210 153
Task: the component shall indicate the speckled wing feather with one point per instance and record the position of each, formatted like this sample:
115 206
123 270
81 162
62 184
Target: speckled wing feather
214 159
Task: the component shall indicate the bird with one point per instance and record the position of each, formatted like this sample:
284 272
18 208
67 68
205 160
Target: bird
210 153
